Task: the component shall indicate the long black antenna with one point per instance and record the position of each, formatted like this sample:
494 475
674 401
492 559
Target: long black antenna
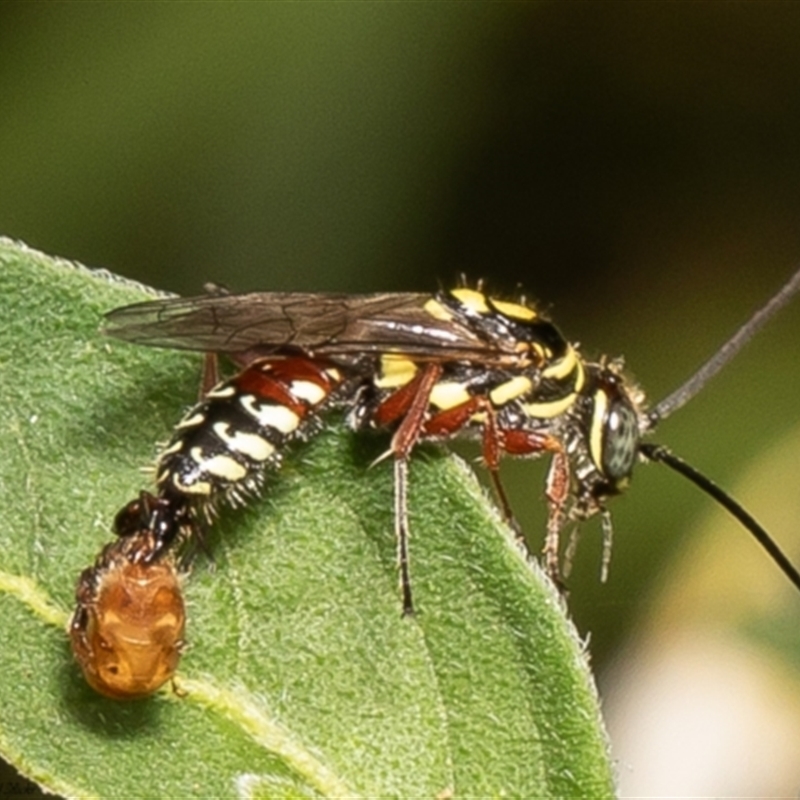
657 452
729 350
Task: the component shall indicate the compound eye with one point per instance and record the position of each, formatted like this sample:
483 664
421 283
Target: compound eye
620 440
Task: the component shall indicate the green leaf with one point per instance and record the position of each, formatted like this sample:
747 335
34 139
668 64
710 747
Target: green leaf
302 679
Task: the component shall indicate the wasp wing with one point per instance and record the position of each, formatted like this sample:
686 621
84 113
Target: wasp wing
318 324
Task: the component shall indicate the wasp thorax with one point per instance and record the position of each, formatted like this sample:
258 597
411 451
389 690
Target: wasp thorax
127 631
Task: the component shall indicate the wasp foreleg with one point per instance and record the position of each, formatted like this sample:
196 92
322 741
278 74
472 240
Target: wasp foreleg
557 493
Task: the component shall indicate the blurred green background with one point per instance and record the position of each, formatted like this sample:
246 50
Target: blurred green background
634 166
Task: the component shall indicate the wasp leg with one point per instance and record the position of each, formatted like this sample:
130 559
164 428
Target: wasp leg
401 532
505 506
532 443
608 536
569 553
557 493
491 457
210 376
572 547
447 423
403 441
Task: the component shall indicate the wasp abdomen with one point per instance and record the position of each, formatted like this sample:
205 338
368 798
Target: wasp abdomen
225 442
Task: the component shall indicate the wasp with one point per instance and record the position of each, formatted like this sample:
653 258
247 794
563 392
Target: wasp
426 368
458 363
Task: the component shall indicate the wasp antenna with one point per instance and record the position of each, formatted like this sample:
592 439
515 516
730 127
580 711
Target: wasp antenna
657 452
728 351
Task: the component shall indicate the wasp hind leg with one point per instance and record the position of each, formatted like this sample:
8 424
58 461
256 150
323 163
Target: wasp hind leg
401 533
210 377
405 437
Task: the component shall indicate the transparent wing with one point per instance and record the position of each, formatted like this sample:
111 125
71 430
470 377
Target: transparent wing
319 324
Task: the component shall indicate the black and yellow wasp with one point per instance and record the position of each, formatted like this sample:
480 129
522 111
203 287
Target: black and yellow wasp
424 367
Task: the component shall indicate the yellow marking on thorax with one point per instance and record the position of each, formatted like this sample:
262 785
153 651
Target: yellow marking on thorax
514 310
474 301
551 408
449 394
438 311
542 353
562 367
580 377
396 371
569 364
510 390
